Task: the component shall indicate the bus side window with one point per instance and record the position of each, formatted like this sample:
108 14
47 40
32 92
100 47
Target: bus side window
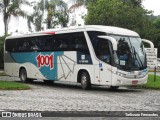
23 45
49 43
20 45
62 42
44 43
104 52
10 45
93 35
101 46
79 43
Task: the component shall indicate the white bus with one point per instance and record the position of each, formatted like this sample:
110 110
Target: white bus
90 55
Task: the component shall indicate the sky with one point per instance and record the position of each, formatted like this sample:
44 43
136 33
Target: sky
153 5
21 25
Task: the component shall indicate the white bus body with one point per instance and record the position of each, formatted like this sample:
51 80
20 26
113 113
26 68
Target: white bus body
90 55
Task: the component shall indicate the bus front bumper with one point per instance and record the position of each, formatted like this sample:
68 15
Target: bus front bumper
124 81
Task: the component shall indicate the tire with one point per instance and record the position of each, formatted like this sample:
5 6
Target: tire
30 80
114 87
23 75
85 81
48 81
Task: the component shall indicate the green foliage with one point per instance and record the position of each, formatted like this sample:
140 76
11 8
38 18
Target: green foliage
155 33
151 84
156 23
2 39
57 14
7 85
134 3
116 13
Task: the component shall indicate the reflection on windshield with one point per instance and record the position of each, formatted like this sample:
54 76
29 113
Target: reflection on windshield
131 54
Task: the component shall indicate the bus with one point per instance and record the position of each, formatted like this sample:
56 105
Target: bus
89 55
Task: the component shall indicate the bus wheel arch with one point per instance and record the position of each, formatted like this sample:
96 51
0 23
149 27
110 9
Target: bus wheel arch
84 78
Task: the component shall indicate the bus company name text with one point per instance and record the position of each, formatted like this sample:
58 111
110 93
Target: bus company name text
45 60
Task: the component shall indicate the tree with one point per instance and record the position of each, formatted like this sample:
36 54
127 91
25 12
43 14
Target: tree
116 13
156 34
11 8
36 17
62 15
2 39
55 10
56 13
79 3
134 3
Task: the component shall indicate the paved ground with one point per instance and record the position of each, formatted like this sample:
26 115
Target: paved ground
70 97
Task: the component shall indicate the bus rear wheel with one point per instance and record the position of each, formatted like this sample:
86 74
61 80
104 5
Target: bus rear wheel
85 81
23 75
48 81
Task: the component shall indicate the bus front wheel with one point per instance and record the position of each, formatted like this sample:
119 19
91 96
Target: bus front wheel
85 81
114 87
23 75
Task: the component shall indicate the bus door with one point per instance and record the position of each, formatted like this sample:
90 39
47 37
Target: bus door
104 55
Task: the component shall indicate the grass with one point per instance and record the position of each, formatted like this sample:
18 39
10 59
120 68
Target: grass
8 85
150 83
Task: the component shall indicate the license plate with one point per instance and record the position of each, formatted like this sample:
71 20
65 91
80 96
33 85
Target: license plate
135 82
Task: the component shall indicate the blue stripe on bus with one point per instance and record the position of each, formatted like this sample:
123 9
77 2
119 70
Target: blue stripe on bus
48 71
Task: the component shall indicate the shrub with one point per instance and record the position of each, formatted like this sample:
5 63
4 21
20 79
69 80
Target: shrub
2 39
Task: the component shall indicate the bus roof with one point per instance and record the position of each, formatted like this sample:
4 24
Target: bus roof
106 29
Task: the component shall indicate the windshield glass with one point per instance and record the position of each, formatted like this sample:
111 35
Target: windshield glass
130 53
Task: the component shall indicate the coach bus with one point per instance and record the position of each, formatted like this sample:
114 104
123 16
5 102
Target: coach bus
90 55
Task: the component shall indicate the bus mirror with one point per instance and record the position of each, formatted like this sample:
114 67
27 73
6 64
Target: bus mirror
149 42
113 41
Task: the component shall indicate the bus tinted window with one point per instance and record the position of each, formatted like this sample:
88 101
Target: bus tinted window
62 42
71 42
95 40
41 44
103 52
10 45
79 42
22 45
59 42
45 43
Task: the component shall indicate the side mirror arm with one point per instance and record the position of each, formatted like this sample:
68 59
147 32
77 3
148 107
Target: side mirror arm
149 42
113 41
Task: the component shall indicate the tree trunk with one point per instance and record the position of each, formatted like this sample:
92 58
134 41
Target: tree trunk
5 27
49 24
5 20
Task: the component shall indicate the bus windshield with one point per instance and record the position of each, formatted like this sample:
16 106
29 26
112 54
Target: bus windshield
130 54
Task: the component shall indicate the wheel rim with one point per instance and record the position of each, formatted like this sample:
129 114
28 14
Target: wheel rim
84 81
23 76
